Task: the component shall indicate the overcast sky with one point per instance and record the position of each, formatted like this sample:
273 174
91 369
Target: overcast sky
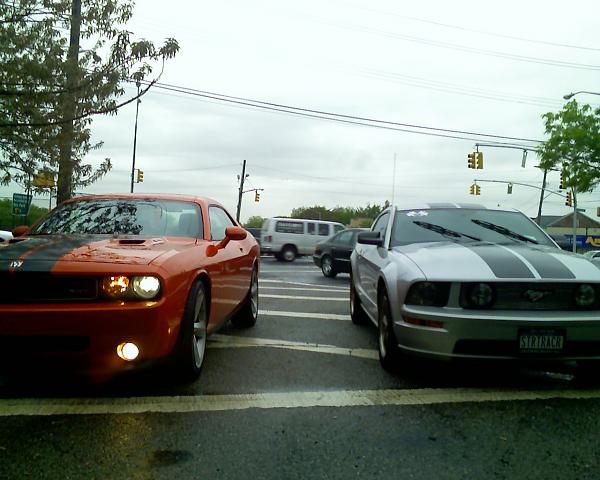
460 65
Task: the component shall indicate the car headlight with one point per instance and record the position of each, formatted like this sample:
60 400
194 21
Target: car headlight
146 287
428 294
480 295
585 295
122 287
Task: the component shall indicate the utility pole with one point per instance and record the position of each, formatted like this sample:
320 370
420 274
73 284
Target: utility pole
574 219
539 215
241 192
65 161
137 109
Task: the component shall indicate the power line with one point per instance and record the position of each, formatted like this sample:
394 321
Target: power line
342 118
474 30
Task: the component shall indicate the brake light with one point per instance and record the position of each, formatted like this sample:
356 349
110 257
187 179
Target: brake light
268 238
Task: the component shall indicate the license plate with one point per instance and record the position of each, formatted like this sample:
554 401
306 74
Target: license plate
541 341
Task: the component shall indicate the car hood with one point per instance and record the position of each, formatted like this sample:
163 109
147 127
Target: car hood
43 252
488 261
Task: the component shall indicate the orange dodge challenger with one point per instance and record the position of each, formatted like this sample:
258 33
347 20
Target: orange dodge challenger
110 283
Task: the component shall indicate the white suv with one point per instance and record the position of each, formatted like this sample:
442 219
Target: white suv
287 238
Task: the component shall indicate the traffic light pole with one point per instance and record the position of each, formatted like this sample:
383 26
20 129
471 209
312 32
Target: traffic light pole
574 220
539 215
137 109
241 192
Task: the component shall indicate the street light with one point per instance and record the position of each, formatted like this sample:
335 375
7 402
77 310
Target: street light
571 95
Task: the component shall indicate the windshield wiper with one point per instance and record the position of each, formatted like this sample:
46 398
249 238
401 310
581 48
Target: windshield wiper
504 231
444 231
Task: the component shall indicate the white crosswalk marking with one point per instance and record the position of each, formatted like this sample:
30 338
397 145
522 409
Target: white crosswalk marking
293 297
319 316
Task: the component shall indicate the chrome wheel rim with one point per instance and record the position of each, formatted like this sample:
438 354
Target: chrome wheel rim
199 336
326 266
289 255
254 294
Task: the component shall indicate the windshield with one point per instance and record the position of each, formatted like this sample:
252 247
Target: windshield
464 225
124 217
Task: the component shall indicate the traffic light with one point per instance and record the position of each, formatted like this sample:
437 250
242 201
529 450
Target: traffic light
561 185
569 200
257 196
509 190
479 162
140 176
472 189
472 160
477 190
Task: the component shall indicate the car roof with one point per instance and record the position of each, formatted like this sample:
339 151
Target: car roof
303 220
439 205
147 196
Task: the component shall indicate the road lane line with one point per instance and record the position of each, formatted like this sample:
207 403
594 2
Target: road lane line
279 282
310 316
230 341
304 289
293 297
336 399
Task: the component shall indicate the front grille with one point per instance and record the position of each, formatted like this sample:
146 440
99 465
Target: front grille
522 296
14 344
509 348
25 287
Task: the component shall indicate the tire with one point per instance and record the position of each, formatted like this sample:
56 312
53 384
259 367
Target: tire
288 253
248 314
327 266
357 314
191 346
389 353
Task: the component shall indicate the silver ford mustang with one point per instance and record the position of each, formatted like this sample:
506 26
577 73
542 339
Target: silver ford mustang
463 281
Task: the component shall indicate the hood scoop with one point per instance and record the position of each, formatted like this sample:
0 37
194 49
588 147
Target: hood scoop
136 242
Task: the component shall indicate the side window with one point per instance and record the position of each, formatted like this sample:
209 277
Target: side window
219 221
344 238
310 228
338 228
381 224
289 227
324 229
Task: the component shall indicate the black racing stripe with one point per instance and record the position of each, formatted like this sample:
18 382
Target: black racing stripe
503 263
545 264
40 253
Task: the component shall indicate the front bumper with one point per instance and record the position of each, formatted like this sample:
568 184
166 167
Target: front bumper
85 336
495 335
317 260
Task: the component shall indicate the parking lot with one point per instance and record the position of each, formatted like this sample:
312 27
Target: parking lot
302 395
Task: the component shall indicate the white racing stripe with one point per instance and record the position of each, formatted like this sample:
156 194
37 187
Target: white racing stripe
336 399
309 316
230 341
293 297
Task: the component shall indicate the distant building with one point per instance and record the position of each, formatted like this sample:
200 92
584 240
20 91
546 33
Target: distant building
561 230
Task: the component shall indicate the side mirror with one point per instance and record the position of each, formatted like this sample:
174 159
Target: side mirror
370 238
20 231
231 233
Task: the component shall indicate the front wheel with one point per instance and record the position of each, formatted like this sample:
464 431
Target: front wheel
389 353
357 314
327 266
191 347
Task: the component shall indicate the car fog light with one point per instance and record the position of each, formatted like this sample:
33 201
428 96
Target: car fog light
585 295
146 287
128 351
481 295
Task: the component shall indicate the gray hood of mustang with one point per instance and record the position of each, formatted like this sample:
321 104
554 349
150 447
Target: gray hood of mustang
473 261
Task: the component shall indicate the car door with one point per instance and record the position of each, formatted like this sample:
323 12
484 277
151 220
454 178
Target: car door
232 268
341 248
370 259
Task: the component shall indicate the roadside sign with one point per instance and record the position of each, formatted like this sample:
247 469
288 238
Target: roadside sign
21 203
44 180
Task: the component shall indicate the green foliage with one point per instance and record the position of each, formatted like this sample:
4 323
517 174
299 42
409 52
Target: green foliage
362 216
573 145
42 87
254 222
8 220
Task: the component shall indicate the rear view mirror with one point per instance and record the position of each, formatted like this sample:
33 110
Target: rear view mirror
370 238
235 233
20 231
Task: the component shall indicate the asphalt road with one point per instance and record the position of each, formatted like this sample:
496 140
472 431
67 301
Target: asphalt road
302 395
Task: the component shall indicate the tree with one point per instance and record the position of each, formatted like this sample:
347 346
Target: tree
60 64
345 215
573 145
254 222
